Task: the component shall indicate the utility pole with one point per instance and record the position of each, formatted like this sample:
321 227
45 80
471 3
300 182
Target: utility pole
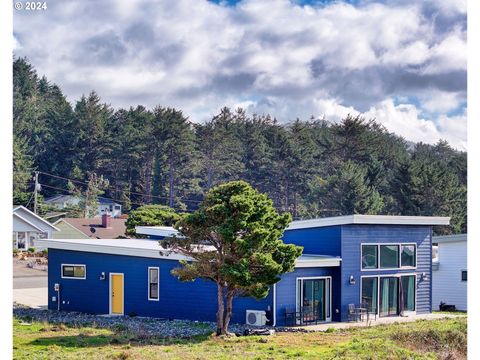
35 193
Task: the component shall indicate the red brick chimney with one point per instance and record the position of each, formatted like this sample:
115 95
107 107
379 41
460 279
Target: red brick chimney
106 219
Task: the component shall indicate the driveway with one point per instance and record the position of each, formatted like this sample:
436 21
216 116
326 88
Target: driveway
29 285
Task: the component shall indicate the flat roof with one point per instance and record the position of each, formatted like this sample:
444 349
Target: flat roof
328 221
152 249
449 238
369 219
156 230
128 247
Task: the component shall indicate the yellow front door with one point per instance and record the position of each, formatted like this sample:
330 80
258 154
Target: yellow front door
117 293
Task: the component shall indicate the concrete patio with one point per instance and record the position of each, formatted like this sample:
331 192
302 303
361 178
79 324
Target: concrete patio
379 321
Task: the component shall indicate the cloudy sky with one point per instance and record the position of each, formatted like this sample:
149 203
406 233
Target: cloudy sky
402 62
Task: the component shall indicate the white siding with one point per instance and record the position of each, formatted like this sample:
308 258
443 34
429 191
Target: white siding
447 283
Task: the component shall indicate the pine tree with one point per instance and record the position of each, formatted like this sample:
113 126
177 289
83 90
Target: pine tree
219 149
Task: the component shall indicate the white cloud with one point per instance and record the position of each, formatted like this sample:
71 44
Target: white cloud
405 120
298 61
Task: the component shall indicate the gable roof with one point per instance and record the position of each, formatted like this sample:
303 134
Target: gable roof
117 227
62 197
20 209
34 227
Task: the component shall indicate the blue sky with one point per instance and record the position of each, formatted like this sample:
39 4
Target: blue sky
402 62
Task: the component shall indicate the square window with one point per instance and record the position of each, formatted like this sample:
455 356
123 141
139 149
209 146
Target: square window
369 256
389 258
408 255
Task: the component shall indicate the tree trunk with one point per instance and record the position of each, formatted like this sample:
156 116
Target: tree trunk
228 310
171 182
220 311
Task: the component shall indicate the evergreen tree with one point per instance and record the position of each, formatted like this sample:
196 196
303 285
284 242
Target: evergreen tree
349 191
22 171
219 149
247 256
175 155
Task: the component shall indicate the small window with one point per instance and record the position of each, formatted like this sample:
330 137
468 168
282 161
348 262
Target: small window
408 255
73 271
153 273
389 256
464 275
369 256
117 207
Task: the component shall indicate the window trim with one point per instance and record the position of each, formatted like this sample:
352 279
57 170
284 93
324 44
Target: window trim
376 260
378 268
461 276
158 283
301 278
399 276
73 277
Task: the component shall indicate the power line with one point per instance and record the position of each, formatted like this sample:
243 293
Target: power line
104 197
113 188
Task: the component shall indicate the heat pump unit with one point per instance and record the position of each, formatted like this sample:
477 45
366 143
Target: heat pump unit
256 317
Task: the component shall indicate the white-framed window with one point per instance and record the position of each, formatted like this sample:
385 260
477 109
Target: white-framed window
388 295
153 283
408 255
388 256
22 240
74 271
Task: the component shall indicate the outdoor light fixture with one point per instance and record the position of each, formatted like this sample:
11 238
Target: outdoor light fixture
352 280
102 276
423 276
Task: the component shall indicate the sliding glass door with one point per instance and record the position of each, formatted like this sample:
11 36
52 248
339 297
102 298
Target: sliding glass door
407 292
313 299
388 296
393 295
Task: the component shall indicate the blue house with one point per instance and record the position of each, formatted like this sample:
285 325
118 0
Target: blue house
383 261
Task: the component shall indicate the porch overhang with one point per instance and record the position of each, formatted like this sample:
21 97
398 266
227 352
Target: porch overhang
308 261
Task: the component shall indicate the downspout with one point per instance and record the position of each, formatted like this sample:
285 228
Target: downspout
274 305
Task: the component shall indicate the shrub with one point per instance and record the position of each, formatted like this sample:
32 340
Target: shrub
15 252
31 249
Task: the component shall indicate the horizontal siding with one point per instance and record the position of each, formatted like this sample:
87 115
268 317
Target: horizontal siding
178 300
352 238
286 290
322 241
447 284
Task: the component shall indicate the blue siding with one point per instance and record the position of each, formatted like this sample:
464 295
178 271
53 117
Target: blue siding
354 235
179 300
322 241
286 290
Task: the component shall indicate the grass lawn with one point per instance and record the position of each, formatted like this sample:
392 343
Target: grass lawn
434 339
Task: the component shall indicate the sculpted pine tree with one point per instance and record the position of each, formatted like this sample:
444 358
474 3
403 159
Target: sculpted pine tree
234 241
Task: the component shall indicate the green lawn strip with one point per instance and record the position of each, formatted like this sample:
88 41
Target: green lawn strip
417 340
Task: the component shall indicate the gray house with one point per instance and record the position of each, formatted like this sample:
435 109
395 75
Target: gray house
105 206
28 227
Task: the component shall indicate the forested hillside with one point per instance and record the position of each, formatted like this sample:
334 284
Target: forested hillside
312 168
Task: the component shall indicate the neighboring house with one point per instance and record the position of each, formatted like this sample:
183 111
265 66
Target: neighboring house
384 261
155 232
28 227
105 206
80 228
450 271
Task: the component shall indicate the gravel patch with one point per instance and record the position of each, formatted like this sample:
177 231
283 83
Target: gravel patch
146 326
